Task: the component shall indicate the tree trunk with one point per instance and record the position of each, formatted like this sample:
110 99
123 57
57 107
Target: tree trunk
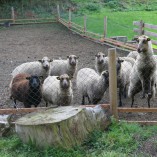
64 126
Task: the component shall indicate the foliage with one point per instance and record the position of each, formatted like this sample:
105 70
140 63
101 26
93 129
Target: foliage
121 139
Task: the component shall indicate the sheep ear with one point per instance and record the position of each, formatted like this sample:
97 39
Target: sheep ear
67 56
40 60
58 78
77 57
41 77
51 60
27 78
96 55
71 77
148 39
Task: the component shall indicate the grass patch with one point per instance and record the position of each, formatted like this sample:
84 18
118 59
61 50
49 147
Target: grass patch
119 23
121 139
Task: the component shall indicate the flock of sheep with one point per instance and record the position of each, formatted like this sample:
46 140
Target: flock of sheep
52 79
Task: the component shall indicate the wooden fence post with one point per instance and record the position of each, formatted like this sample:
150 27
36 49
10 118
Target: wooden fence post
141 28
85 24
105 26
58 12
69 17
13 14
113 82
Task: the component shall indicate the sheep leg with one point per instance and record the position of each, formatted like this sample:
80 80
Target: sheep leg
149 97
143 90
132 103
89 100
120 96
14 103
124 92
83 100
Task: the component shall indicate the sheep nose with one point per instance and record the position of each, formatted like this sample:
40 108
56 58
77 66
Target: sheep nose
139 50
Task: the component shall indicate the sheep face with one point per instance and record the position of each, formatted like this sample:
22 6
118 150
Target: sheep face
118 66
100 57
143 43
105 74
64 81
72 60
34 82
45 61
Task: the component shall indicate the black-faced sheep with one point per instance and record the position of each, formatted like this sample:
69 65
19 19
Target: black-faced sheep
144 70
57 90
92 85
60 67
27 89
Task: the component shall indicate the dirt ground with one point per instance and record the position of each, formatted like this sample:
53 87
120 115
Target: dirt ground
19 44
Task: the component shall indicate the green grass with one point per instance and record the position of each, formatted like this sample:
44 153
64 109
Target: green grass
121 139
118 23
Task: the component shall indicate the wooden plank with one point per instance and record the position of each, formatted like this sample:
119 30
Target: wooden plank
136 23
137 109
151 26
136 30
6 19
148 33
20 110
154 42
113 82
35 19
144 122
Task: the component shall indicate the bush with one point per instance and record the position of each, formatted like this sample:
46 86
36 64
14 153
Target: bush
93 7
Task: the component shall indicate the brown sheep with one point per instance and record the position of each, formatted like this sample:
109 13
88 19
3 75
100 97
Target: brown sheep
27 89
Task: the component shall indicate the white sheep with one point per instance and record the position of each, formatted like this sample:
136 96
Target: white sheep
142 76
57 90
92 85
101 62
39 68
103 65
60 67
133 54
123 77
128 59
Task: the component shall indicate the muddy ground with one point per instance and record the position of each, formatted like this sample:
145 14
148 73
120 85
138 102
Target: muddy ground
19 44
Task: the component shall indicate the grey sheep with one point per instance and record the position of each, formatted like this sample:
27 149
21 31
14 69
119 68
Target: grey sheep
39 68
57 90
123 77
60 67
142 76
92 85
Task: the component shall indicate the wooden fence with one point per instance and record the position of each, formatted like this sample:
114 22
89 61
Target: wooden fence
143 29
31 20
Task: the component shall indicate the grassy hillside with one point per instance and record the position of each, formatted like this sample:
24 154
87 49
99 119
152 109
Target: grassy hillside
121 139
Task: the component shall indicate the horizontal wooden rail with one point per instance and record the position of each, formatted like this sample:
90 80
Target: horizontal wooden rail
150 26
20 110
136 23
137 110
34 19
6 19
29 110
143 122
148 33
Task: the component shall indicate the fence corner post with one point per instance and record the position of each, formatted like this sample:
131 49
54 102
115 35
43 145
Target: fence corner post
58 12
141 28
113 82
69 17
105 26
13 14
85 24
